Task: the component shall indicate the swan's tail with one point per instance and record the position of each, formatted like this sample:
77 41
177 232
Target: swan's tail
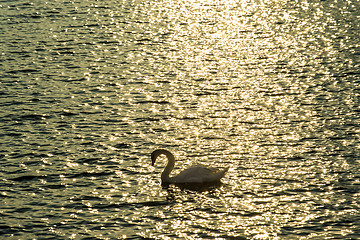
221 173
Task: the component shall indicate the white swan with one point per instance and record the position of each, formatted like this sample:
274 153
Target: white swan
196 174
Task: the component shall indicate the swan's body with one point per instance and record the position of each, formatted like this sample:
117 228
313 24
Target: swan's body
195 174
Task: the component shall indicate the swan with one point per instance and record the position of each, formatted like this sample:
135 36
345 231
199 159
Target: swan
195 174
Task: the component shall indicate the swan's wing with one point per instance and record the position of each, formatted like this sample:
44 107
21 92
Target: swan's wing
199 174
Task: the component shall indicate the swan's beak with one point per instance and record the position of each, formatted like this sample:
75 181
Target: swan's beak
153 158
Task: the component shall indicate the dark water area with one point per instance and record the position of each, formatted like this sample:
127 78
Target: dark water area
268 88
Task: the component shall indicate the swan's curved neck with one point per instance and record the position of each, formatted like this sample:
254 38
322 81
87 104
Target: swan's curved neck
165 176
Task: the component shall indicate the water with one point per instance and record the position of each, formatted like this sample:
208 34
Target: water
269 88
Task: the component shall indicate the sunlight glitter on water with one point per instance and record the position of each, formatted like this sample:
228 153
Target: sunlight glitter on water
267 88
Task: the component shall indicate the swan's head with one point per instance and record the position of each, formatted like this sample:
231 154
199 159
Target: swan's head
157 153
153 157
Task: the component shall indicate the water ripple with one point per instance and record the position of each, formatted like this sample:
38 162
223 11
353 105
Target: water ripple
90 88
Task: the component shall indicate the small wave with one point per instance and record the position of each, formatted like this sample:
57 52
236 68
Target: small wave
89 174
55 177
27 178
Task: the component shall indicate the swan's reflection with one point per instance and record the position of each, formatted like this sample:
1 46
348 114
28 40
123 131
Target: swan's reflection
197 187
